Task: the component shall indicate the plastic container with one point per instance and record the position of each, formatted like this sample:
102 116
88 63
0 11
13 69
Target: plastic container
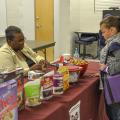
61 59
83 70
76 53
32 92
58 84
79 63
66 56
32 75
46 87
74 73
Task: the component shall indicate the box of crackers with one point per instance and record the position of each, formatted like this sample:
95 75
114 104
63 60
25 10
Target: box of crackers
8 100
17 75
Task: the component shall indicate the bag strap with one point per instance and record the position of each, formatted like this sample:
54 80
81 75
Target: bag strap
109 90
106 57
107 82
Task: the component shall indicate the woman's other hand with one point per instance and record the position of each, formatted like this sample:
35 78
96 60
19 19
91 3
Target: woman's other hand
102 67
42 65
36 67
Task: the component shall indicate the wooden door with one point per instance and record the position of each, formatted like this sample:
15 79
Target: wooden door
44 23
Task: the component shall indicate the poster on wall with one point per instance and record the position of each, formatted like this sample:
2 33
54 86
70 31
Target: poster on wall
74 112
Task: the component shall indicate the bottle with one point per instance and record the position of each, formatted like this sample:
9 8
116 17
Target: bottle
76 53
61 58
58 83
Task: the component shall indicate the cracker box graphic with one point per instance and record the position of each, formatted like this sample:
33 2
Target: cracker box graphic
18 76
46 87
8 100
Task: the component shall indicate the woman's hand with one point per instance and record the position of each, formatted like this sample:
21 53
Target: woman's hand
102 67
36 67
44 64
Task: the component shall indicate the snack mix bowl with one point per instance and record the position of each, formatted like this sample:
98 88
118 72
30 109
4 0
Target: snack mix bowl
83 70
74 72
80 63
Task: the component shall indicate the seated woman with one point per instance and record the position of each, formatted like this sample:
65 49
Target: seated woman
15 53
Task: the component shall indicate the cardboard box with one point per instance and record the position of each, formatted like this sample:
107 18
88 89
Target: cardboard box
18 76
8 100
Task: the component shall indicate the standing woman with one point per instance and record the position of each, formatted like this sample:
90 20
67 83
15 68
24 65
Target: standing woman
110 58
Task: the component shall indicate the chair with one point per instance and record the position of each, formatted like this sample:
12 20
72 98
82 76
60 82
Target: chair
86 39
101 40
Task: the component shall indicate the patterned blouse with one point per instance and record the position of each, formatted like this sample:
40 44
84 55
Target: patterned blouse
113 58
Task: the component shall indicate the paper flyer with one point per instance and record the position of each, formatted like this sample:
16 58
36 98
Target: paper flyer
74 112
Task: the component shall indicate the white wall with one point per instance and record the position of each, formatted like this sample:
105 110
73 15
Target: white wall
56 27
69 16
83 17
21 13
74 21
75 15
61 26
89 20
3 22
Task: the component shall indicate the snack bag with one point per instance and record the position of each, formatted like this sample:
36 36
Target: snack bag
46 87
32 93
8 100
65 72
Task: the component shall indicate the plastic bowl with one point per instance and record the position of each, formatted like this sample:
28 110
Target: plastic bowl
83 70
74 73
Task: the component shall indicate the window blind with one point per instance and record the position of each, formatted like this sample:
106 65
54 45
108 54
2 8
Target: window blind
106 4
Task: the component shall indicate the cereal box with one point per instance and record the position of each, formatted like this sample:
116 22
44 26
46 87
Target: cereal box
20 90
18 76
8 100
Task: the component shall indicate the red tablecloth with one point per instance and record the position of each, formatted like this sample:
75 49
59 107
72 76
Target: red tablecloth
86 91
46 111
